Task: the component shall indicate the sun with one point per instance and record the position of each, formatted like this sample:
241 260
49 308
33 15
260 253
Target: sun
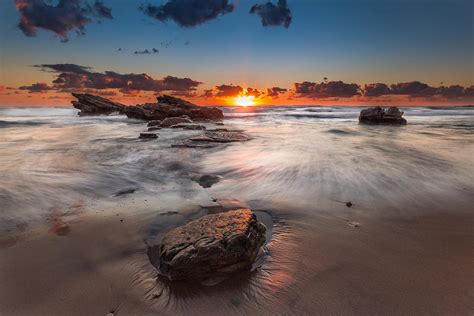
244 100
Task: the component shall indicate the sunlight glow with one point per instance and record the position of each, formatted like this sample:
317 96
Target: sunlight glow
244 100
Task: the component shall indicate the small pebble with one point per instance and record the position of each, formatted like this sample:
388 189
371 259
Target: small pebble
349 204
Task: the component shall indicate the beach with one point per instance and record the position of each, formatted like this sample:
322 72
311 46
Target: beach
83 198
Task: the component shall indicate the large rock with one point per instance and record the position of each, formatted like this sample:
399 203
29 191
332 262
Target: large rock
168 106
377 115
89 104
214 244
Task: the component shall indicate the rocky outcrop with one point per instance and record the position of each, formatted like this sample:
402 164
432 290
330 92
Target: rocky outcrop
221 136
377 115
89 104
168 106
170 121
214 244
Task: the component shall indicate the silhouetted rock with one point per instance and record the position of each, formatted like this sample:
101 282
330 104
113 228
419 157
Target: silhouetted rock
89 104
170 121
377 115
147 135
214 244
168 106
190 126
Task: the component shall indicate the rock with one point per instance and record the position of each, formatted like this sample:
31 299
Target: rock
207 180
147 135
377 115
214 244
354 224
168 106
154 123
170 121
189 126
221 137
349 204
125 192
154 128
89 104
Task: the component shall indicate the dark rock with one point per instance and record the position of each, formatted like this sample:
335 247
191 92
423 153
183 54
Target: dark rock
214 244
221 137
207 181
170 121
148 135
168 106
349 204
154 128
189 126
377 115
89 104
125 192
154 123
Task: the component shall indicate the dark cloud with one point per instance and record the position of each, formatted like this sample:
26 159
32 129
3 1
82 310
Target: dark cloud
39 87
273 15
146 51
188 13
71 76
225 90
331 89
376 89
208 93
275 92
413 88
66 16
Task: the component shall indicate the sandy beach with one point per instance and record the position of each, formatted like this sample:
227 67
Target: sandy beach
71 246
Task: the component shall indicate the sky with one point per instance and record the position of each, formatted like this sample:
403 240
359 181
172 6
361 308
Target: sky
227 52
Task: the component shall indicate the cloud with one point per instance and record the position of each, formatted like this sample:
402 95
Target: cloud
323 90
188 13
66 16
74 77
146 51
413 88
275 92
39 87
225 91
273 15
376 89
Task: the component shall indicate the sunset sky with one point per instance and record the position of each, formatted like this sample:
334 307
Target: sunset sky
347 52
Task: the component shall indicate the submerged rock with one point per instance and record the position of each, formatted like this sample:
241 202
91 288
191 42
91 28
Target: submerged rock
89 104
147 135
222 137
377 115
206 180
214 244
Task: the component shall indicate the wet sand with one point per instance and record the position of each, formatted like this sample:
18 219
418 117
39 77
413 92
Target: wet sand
403 247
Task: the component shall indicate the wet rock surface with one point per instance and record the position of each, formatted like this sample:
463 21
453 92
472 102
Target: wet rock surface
215 244
148 135
221 137
377 115
206 180
171 121
89 104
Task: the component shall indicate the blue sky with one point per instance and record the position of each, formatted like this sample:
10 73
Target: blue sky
359 41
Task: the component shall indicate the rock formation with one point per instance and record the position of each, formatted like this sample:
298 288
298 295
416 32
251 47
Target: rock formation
166 107
89 104
214 244
377 115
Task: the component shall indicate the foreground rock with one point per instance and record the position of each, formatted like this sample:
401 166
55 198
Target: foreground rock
147 135
168 106
377 115
89 104
170 121
214 244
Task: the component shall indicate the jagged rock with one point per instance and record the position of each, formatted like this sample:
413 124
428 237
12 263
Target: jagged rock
89 104
221 137
148 135
168 106
170 121
377 115
214 244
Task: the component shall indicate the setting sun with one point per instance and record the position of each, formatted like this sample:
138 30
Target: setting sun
244 100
